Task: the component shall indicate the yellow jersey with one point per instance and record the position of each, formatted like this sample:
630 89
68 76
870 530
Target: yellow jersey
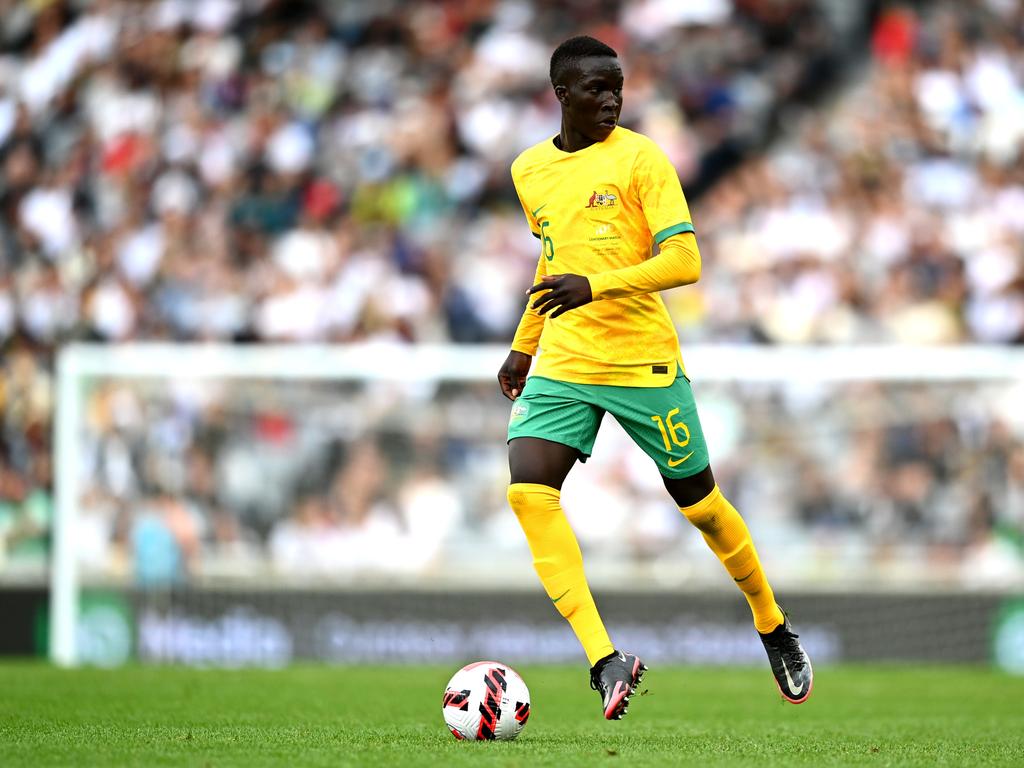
599 209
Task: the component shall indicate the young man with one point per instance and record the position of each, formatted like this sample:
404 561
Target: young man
598 197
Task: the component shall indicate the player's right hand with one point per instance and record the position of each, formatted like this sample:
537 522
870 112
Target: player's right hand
512 374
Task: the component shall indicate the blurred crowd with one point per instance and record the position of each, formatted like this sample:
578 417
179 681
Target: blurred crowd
235 481
895 215
262 170
883 484
294 171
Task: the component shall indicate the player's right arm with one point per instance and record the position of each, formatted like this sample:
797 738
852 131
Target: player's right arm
513 372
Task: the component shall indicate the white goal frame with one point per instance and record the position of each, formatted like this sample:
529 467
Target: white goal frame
387 362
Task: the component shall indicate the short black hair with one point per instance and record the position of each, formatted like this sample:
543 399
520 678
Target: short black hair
568 54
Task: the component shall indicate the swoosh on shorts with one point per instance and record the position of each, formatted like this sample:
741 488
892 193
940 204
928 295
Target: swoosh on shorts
677 462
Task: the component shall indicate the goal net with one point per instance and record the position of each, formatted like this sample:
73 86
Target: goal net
233 497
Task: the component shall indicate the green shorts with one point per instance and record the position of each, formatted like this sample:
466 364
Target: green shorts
661 420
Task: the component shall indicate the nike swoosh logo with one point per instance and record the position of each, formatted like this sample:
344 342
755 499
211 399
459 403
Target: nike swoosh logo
677 462
556 599
539 210
789 680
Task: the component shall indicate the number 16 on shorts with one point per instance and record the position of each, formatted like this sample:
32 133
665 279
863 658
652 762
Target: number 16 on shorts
675 434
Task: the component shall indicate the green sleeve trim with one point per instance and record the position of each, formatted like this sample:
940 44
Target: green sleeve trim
675 229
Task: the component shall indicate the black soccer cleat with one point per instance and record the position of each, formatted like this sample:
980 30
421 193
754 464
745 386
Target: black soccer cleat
790 664
616 677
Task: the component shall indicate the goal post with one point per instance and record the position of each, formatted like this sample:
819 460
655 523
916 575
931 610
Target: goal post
739 365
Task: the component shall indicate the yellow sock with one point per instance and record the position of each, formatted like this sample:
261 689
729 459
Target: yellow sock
728 536
559 563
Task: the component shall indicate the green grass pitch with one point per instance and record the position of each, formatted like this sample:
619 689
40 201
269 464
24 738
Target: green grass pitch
332 716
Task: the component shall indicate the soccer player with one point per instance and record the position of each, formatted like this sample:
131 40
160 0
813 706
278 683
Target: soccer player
598 197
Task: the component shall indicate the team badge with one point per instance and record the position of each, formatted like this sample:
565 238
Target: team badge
519 410
602 200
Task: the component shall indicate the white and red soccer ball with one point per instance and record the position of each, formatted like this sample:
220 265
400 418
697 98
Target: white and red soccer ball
486 701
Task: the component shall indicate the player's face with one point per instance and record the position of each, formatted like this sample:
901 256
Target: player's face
592 101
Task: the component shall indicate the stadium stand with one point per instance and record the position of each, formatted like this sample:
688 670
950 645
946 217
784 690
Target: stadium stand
268 171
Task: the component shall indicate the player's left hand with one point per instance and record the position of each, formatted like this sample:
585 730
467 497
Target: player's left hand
562 291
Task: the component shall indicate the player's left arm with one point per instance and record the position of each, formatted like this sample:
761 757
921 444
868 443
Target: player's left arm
657 187
678 262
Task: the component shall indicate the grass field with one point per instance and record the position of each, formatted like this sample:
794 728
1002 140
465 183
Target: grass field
331 716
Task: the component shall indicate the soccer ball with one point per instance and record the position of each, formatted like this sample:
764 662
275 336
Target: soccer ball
486 700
